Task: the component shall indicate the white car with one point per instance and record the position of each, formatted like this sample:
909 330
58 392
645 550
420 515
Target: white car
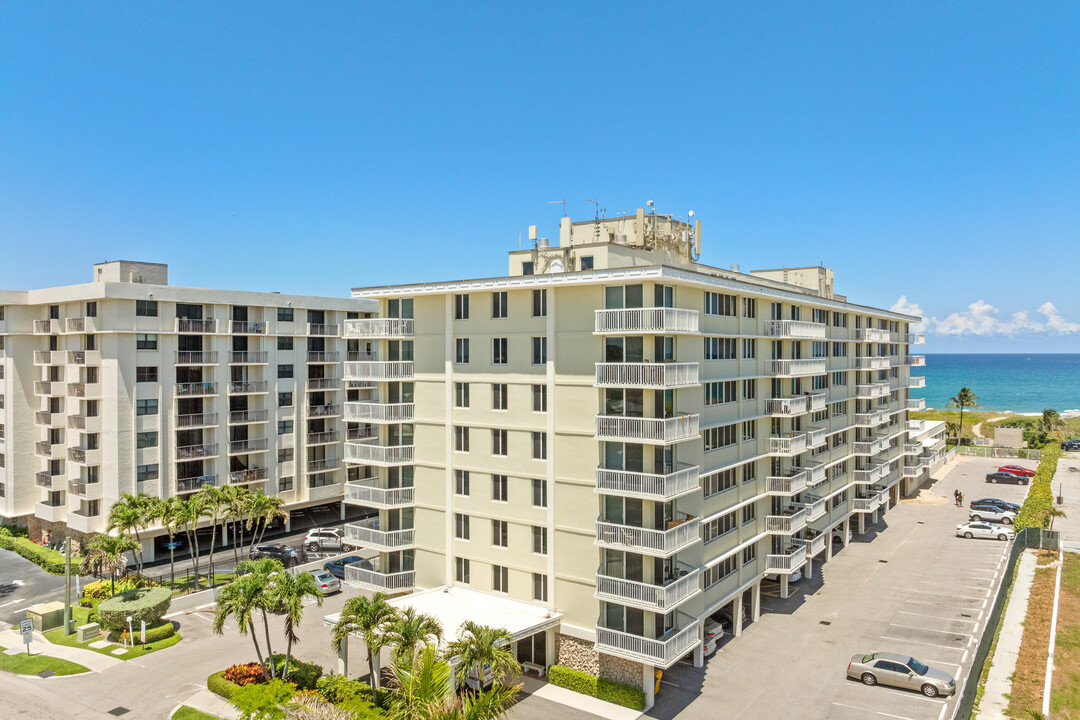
991 513
984 530
326 582
324 539
714 633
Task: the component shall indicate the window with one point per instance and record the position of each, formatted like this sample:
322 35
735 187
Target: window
587 262
819 349
93 441
749 430
539 538
461 570
749 390
719 571
749 307
749 554
146 308
720 392
284 371
498 304
499 530
749 512
717 348
146 440
539 350
539 305
539 493
285 455
498 351
839 409
285 399
461 395
498 442
526 268
719 304
284 484
719 526
461 307
284 343
839 349
749 473
284 427
461 438
498 396
539 398
539 445
461 526
500 576
91 309
461 482
499 488
146 472
839 378
145 342
540 585
461 355
718 437
146 373
285 314
717 482
145 407
749 349
839 319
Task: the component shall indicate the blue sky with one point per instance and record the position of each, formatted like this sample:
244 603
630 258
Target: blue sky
923 150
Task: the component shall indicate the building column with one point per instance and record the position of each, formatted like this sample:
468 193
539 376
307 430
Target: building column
783 587
862 523
342 505
736 615
343 658
648 684
550 653
828 545
699 651
148 550
809 568
288 522
755 601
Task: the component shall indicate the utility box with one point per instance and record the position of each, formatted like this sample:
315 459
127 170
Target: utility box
86 633
46 616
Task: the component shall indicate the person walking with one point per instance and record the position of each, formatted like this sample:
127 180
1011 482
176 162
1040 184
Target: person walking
956 498
960 499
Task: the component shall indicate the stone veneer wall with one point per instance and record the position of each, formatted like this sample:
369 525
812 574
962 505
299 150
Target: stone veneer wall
581 655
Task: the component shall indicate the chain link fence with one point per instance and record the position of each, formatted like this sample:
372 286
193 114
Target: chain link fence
998 452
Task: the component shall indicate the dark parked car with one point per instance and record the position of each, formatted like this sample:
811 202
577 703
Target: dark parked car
287 554
1004 505
1073 444
996 477
337 567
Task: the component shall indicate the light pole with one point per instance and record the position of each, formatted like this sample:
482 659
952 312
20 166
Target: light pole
131 632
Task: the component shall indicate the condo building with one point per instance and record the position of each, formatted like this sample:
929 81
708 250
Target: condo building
614 441
127 384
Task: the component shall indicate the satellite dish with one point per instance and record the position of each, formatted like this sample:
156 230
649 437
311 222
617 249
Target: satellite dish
556 266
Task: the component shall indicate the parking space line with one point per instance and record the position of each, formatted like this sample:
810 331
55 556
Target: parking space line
916 642
900 693
943 632
965 587
905 612
955 597
852 707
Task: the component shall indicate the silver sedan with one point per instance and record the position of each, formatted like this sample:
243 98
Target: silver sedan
984 530
902 671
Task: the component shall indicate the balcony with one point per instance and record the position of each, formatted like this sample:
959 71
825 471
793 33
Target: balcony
324 329
871 447
656 598
872 363
916 360
248 475
666 321
915 404
251 445
791 484
323 464
44 388
815 508
46 327
81 520
375 328
871 419
45 480
682 533
916 382
916 339
795 368
648 486
815 437
249 357
366 533
84 390
788 560
872 335
912 448
323 383
652 431
379 371
814 544
378 412
319 356
799 405
84 456
244 417
787 445
870 475
196 389
188 325
795 329
375 580
662 652
368 494
84 357
815 474
85 490
317 411
912 471
791 521
251 387
91 423
193 484
647 375
872 391
323 438
195 357
196 420
43 448
50 513
195 452
866 504
379 455
44 357
916 426
48 419
246 327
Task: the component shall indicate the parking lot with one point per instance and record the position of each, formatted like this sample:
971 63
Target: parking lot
907 585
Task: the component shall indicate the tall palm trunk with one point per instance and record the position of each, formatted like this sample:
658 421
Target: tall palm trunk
193 540
258 653
172 559
269 650
373 676
213 540
288 656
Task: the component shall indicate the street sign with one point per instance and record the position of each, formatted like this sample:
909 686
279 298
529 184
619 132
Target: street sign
26 627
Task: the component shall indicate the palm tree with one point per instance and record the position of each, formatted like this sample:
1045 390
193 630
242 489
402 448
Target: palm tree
263 568
1050 422
167 512
213 499
236 502
410 630
129 514
239 599
1054 512
966 398
422 690
952 428
274 509
369 618
263 509
289 592
107 550
314 707
188 514
479 645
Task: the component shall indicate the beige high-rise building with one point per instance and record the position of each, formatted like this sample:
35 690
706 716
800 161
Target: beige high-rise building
623 440
127 384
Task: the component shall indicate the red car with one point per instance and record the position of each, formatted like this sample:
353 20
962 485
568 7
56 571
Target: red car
1017 470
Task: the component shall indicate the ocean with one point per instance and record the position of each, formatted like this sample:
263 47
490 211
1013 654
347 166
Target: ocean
1021 383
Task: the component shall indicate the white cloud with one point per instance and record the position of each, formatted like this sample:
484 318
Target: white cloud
982 318
909 308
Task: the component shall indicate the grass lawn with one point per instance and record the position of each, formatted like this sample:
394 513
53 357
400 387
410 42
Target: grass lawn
1065 690
1030 674
186 583
971 418
57 637
24 664
189 713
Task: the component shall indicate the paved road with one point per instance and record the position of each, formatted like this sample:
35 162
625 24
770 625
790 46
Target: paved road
22 584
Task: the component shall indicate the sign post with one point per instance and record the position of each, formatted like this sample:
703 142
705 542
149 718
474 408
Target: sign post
26 627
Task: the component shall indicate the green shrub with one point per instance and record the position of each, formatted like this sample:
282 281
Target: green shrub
147 604
263 701
361 709
98 590
304 675
245 673
338 689
154 633
218 685
613 692
1040 498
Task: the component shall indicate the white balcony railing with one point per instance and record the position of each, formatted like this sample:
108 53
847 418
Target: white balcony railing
253 474
786 524
654 431
324 329
379 328
368 534
916 339
871 419
196 389
869 475
369 494
372 579
791 484
251 387
251 445
378 412
188 325
648 541
916 382
380 455
248 357
815 544
647 375
871 391
196 420
795 329
243 417
669 321
795 368
815 509
910 471
648 486
872 335
379 371
916 426
872 363
247 327
194 452
916 360
915 404
786 445
657 598
661 653
787 562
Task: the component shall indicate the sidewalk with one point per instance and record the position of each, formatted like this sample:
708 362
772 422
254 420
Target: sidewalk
213 704
95 662
584 703
995 698
1066 482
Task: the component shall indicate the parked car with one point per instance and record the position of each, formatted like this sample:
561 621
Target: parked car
902 671
792 577
996 477
1072 444
337 567
991 513
724 617
326 582
984 530
321 539
714 633
1017 470
1003 504
838 536
287 554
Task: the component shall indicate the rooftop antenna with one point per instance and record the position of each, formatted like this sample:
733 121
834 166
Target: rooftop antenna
557 202
596 222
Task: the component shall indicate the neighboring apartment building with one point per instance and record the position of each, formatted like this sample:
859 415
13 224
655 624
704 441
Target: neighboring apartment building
622 438
126 384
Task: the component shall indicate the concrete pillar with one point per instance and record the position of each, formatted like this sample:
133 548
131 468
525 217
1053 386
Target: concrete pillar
783 588
343 658
551 654
736 615
809 568
862 523
755 601
648 684
846 534
699 651
148 550
342 506
288 522
828 545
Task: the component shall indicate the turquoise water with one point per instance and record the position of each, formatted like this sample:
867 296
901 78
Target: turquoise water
1021 383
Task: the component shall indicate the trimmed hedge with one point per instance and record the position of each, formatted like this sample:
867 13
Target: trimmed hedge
304 674
154 633
49 560
338 689
218 685
147 604
608 690
1040 498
